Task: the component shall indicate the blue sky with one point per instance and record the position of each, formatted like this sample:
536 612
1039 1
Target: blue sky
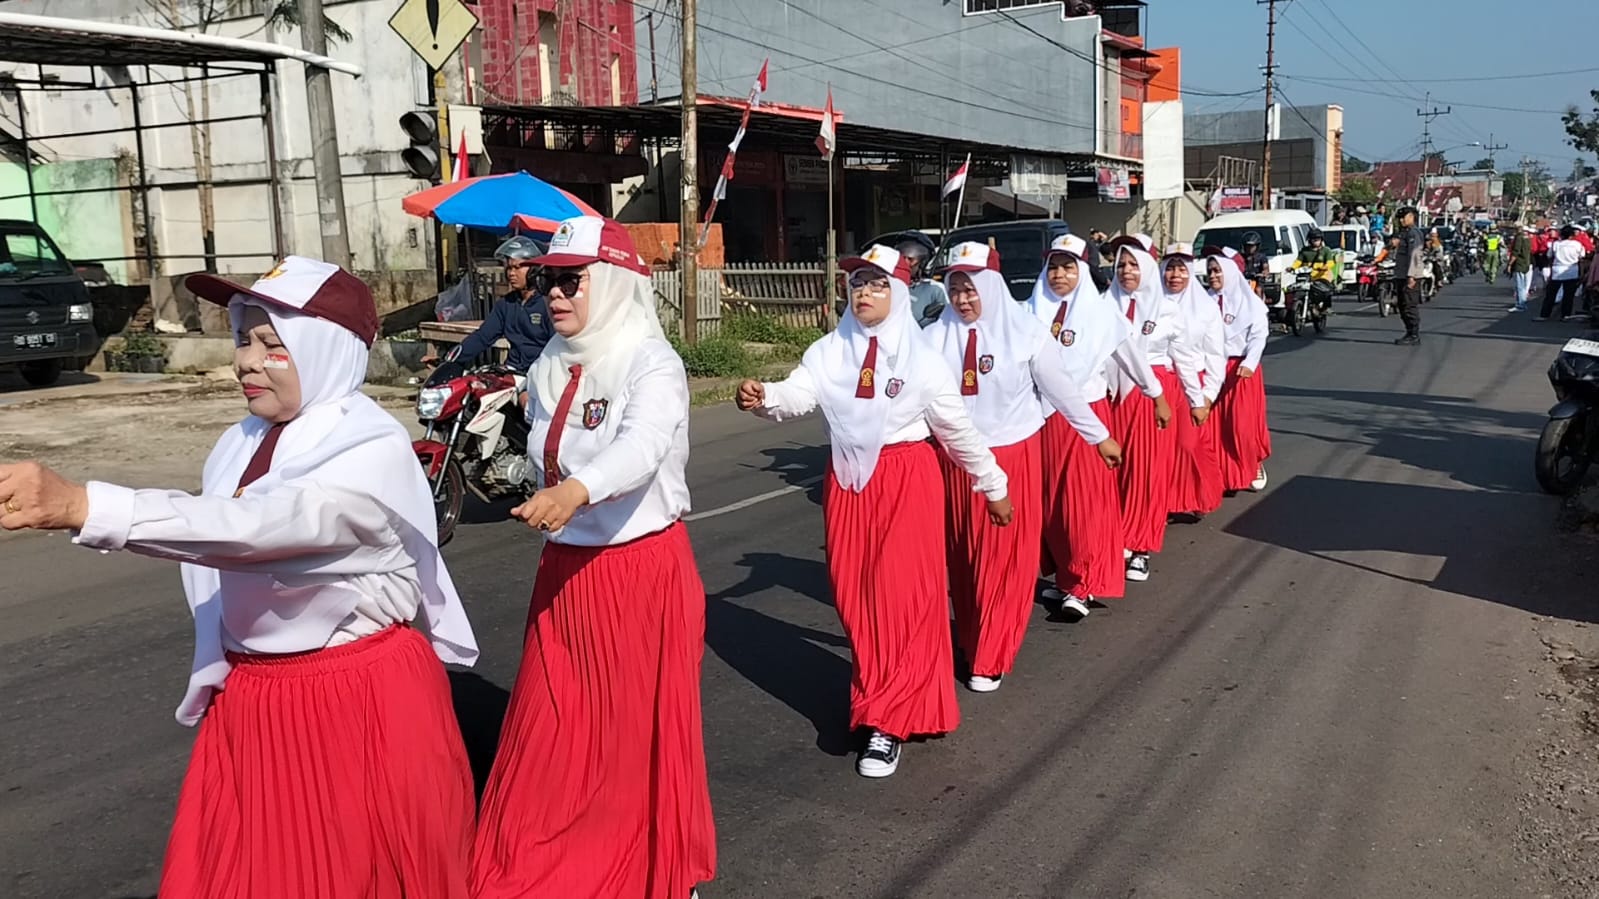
1432 46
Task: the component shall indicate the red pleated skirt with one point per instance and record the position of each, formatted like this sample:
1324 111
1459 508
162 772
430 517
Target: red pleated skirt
325 775
992 568
1244 439
885 559
1149 455
1082 511
599 786
1196 470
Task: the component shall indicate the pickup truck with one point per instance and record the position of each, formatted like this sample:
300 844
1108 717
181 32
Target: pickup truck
46 317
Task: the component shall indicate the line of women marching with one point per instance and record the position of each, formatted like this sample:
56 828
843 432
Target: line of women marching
1057 435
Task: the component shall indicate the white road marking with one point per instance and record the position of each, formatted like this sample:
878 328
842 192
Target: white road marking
755 500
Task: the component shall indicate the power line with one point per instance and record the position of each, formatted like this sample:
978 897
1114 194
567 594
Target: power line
1390 96
1524 76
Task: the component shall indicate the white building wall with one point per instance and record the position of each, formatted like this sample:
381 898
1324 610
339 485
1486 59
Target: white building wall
382 236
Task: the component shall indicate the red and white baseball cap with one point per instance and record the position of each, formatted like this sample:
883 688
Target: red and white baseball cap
1134 241
1181 250
587 239
1070 244
307 286
885 259
972 256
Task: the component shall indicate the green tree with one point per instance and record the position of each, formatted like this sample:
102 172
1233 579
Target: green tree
1534 184
1582 131
1357 190
1354 165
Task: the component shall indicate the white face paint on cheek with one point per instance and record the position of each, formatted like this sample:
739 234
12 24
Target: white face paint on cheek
276 360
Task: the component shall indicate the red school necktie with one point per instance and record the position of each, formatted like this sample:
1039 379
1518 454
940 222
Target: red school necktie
1060 321
552 440
261 461
969 366
1132 309
864 387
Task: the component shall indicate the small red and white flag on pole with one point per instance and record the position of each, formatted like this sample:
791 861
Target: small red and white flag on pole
957 180
463 163
828 139
719 193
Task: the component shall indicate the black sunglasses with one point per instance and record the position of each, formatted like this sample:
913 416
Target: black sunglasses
570 280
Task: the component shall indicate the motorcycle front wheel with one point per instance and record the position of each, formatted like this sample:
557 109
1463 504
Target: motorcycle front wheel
448 499
1562 460
1296 315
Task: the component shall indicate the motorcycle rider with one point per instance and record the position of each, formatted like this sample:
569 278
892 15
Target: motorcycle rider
1490 257
522 317
928 297
1323 261
1255 262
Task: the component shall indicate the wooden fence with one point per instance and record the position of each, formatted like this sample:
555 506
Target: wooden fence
793 293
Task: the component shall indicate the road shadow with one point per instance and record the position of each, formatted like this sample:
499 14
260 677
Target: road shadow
12 381
792 663
480 710
1491 543
797 465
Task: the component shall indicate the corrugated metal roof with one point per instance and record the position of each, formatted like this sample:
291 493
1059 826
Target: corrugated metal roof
50 40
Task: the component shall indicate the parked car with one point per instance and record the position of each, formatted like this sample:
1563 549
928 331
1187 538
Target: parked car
1281 234
1021 247
46 318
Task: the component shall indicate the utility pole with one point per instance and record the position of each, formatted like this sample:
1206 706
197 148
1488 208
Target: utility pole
1492 149
688 215
1526 186
1427 115
1271 69
324 140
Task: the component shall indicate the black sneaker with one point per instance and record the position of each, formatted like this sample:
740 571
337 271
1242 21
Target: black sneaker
1408 340
1138 567
880 758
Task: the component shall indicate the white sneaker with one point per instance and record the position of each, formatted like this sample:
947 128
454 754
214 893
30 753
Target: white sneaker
980 684
1138 567
1259 483
1126 554
1076 607
880 758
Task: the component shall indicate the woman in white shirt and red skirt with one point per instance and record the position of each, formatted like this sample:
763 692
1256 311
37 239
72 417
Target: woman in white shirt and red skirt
1006 362
1149 448
328 761
1244 442
599 787
1197 486
1082 509
883 391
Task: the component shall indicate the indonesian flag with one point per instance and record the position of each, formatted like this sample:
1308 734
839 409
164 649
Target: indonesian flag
760 84
462 163
957 180
828 139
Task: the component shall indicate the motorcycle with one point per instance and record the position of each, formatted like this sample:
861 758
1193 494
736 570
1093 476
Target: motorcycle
1571 435
1366 271
476 439
1308 302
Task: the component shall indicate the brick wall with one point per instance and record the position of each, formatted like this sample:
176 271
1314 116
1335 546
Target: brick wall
590 34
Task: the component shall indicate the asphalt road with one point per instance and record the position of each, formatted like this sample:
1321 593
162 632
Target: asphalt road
1323 691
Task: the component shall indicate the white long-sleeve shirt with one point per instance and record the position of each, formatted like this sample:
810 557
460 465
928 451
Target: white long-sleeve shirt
944 417
633 460
1168 344
1247 329
305 565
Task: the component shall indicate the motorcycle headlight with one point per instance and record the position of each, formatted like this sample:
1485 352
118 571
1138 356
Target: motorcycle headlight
430 402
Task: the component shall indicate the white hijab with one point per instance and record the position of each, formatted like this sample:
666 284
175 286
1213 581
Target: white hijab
1203 324
348 440
1092 330
1145 301
858 428
1006 409
621 316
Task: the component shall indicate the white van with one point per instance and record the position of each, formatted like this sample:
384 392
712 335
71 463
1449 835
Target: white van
1280 233
1353 242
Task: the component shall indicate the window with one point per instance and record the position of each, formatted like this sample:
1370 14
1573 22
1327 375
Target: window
29 254
973 7
1237 237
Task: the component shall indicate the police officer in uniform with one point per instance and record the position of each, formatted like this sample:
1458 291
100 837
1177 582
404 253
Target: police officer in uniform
522 316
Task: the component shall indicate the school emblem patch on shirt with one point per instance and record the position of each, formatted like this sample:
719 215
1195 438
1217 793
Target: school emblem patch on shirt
536 317
985 364
894 385
594 413
1149 328
1067 337
1228 318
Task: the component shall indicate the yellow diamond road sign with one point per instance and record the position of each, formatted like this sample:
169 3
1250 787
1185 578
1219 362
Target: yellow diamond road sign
433 28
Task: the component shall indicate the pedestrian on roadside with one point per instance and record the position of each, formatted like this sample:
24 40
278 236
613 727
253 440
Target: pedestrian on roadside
1196 472
1240 409
1082 504
1410 264
1379 220
328 761
1096 261
884 390
1149 447
1565 257
599 786
1519 264
1006 361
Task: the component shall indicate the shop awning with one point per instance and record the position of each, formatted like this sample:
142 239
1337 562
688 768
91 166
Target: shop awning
56 41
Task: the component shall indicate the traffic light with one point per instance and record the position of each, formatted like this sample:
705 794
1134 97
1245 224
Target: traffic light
422 156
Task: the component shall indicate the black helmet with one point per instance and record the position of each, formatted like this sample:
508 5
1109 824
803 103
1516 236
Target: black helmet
1251 239
518 247
1315 234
